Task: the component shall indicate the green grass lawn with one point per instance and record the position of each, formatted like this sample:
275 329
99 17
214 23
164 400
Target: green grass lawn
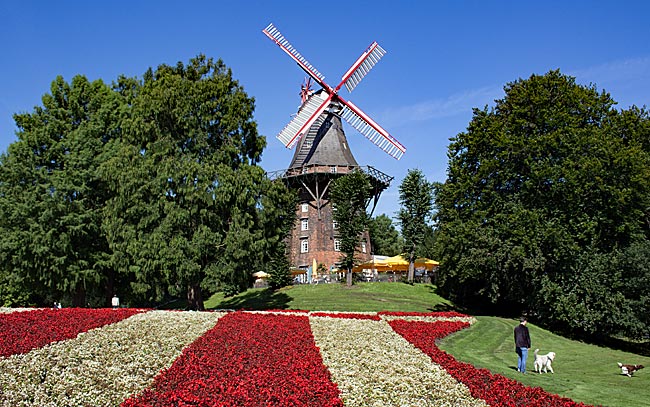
338 297
583 372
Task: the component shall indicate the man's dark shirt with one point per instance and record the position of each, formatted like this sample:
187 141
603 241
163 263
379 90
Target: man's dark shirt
522 337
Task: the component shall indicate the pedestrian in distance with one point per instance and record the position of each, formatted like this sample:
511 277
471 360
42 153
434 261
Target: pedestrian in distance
522 344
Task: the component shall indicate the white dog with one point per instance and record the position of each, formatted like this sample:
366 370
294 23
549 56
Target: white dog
544 362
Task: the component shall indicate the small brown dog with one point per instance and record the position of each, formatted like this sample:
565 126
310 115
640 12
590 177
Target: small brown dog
629 369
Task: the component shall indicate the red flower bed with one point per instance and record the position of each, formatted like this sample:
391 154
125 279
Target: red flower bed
346 315
247 359
302 311
495 389
21 332
446 314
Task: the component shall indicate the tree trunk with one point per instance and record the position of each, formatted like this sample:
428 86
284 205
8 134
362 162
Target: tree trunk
411 273
79 297
195 298
348 278
110 286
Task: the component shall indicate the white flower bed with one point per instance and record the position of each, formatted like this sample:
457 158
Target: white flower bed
101 367
345 312
374 366
6 310
469 320
280 312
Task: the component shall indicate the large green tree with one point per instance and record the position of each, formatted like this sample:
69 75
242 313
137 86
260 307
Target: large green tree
427 247
542 189
188 213
52 197
350 195
384 236
634 268
147 188
278 218
416 206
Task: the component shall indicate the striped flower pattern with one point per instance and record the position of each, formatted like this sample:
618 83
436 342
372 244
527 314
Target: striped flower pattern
278 358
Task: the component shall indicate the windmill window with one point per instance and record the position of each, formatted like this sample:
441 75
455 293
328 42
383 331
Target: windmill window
305 207
333 169
304 224
304 246
337 245
335 225
363 247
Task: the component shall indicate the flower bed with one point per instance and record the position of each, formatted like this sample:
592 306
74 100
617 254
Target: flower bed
299 311
247 359
346 315
495 389
279 311
7 310
254 358
445 314
373 366
21 332
101 367
426 316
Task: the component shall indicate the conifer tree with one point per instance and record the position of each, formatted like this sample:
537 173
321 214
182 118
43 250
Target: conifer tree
416 200
349 195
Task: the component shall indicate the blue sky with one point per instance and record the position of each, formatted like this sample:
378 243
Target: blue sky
443 58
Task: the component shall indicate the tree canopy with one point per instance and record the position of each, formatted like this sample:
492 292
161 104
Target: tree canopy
350 194
147 188
416 199
52 196
544 191
384 237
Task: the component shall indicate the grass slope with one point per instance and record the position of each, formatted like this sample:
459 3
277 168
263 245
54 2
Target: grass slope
583 372
336 297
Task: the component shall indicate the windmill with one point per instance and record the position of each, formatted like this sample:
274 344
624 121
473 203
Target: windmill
322 154
329 97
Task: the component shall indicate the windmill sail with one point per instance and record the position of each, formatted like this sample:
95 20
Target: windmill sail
362 66
371 130
306 116
276 36
319 101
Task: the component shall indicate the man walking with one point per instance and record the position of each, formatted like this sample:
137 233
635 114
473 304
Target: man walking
522 344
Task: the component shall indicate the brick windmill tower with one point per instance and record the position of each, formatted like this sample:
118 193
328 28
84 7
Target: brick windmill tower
322 155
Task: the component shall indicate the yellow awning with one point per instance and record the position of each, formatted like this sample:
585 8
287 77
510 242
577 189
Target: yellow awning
396 263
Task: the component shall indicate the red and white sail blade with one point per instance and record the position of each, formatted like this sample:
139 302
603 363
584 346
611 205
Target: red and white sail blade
371 130
305 118
361 67
276 36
